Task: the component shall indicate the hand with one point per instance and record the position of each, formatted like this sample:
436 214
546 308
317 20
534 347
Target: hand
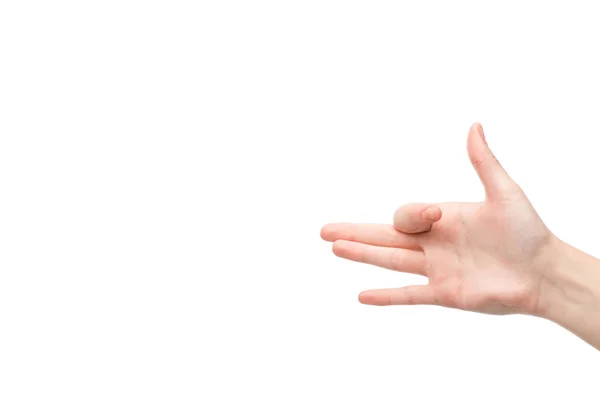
487 257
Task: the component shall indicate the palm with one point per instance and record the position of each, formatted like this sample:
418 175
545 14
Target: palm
473 263
485 257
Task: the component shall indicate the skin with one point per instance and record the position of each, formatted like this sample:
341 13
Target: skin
494 257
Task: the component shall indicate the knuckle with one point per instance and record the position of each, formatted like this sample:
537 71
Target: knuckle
477 162
388 300
409 298
488 158
396 259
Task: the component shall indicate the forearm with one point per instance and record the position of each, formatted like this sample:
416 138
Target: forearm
570 292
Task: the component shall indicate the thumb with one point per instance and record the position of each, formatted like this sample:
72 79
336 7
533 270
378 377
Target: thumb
496 181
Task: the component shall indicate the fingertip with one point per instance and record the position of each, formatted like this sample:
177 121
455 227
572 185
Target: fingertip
338 248
326 232
370 298
476 134
477 128
365 298
477 147
496 181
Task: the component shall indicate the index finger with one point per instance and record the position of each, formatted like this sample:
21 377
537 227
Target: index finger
374 234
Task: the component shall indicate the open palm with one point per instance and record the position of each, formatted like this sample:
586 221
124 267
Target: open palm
487 257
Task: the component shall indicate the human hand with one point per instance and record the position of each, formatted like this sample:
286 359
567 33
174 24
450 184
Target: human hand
486 257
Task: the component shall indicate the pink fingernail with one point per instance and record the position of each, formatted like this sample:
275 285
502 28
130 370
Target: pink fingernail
480 130
431 213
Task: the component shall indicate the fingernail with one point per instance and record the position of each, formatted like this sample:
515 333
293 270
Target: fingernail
431 213
480 130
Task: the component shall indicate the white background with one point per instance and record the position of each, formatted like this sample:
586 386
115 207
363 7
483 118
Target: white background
166 166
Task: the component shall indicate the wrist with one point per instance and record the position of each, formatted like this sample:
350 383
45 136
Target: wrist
569 285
